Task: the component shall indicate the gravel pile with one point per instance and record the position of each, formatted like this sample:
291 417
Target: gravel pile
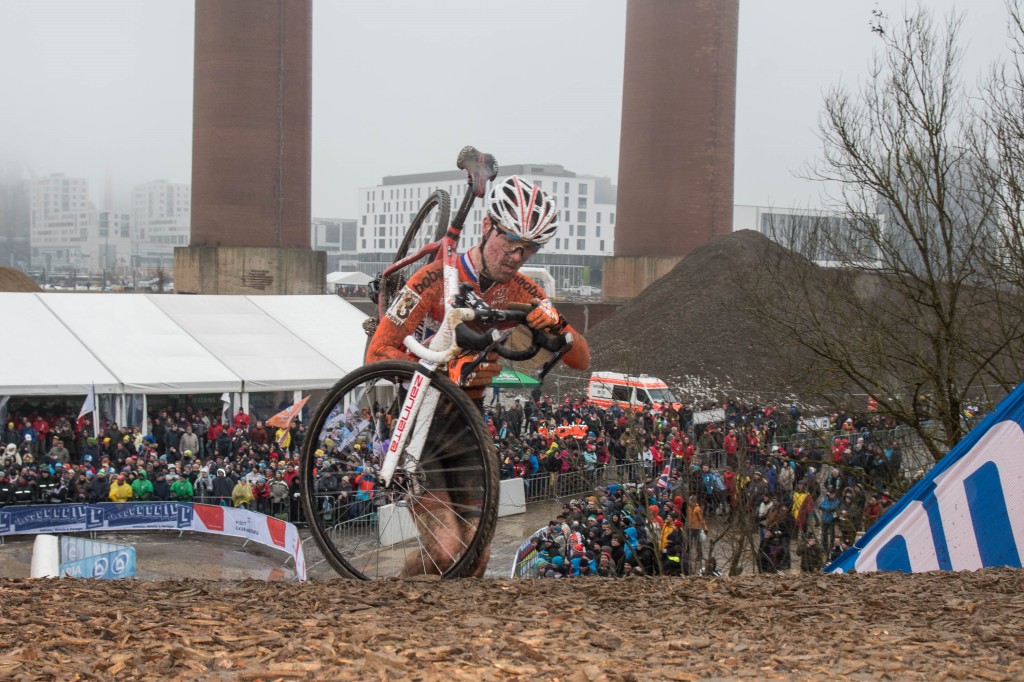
16 280
696 329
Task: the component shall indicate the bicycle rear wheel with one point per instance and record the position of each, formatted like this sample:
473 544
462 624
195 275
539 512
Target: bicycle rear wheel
437 519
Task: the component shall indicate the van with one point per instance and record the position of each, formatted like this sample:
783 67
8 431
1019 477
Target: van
629 391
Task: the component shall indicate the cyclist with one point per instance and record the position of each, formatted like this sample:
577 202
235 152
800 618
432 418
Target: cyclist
520 219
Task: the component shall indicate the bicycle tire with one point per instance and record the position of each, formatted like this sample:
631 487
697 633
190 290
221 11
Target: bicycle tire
437 207
357 536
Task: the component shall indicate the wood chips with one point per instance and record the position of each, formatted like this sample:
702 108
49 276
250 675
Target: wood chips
862 627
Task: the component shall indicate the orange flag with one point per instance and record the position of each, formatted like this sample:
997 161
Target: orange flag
283 419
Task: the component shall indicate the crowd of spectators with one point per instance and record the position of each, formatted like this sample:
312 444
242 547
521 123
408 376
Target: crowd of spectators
759 464
187 456
759 471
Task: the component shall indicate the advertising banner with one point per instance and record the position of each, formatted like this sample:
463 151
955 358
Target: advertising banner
709 416
133 516
966 513
84 558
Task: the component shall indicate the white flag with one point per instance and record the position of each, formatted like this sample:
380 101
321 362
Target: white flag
225 411
89 406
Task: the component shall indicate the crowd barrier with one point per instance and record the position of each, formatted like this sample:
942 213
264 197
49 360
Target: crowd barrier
134 516
555 486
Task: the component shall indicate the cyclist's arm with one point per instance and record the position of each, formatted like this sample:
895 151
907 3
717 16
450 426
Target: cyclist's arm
410 306
578 356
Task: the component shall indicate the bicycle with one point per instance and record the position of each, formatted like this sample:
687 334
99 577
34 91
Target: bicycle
434 507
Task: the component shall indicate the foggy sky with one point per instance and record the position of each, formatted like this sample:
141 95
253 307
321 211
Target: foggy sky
399 86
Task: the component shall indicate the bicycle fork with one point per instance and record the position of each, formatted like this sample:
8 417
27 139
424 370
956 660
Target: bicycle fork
415 416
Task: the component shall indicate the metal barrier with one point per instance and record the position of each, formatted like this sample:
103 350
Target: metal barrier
555 486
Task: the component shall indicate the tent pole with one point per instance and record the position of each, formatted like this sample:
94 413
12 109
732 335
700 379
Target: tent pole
144 429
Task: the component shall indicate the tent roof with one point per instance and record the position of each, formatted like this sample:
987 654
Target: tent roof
349 278
141 346
150 343
38 352
334 331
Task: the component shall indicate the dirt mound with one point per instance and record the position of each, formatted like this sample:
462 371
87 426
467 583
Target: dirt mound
16 280
879 626
695 329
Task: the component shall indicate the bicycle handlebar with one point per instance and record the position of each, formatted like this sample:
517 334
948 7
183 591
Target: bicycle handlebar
467 339
490 340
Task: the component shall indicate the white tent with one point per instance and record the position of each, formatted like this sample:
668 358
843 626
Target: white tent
542 277
163 344
352 278
147 351
38 353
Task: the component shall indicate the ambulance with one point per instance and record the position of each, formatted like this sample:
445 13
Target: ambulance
629 391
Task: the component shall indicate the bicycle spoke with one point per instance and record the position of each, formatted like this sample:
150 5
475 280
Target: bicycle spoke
429 518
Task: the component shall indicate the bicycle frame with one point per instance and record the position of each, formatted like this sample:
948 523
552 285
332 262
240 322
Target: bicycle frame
420 402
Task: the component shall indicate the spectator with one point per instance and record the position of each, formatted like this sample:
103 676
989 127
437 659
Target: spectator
120 491
188 444
182 490
812 558
99 488
58 453
161 489
142 487
698 528
829 506
241 494
203 486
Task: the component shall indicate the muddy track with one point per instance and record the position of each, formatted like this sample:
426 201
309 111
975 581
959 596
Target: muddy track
881 626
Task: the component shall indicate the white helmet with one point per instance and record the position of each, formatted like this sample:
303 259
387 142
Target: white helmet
522 210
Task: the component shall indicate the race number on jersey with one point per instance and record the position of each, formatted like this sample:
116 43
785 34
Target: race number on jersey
402 306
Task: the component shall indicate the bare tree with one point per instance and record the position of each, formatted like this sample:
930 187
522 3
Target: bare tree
998 146
902 293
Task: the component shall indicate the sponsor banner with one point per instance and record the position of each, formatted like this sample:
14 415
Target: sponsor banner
70 518
814 424
966 514
709 416
526 555
132 516
83 558
250 525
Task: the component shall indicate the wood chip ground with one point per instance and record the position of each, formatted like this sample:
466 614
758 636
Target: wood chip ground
953 626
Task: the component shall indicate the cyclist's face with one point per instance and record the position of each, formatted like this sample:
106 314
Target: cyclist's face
503 255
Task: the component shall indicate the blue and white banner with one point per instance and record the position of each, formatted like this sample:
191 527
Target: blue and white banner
966 514
69 518
83 558
132 516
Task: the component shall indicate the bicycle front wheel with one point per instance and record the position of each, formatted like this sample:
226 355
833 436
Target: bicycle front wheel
437 517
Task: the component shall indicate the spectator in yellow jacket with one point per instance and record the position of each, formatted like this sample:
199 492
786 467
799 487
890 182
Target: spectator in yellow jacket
119 490
241 494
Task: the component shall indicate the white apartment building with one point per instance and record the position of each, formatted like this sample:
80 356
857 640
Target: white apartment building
68 233
161 220
586 231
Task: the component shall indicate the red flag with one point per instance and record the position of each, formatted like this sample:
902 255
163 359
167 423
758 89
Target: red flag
283 419
872 404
